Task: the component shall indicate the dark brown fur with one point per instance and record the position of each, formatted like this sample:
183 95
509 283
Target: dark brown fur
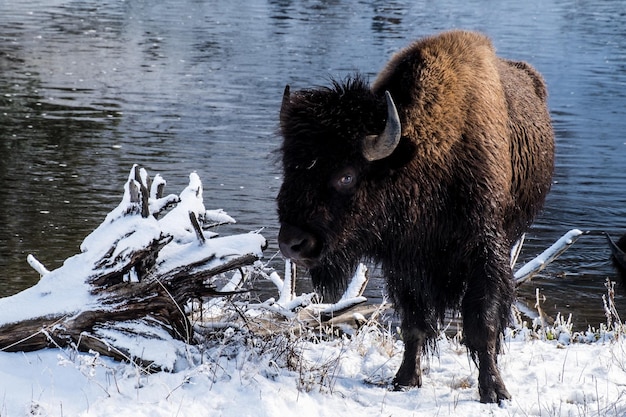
441 213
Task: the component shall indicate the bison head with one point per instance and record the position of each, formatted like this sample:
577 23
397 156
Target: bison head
338 144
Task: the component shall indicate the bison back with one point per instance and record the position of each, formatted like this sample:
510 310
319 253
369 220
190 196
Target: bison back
532 142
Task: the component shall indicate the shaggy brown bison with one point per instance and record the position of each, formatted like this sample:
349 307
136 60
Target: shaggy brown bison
433 171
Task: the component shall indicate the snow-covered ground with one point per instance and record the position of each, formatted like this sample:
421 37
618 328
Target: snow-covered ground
239 375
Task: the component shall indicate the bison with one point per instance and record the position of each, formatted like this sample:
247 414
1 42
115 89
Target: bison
433 172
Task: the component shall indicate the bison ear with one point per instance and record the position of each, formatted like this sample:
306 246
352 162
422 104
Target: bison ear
286 98
377 147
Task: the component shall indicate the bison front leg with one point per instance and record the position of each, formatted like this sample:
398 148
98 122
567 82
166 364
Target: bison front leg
486 311
410 372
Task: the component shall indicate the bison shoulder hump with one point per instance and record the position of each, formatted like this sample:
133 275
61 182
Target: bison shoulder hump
536 78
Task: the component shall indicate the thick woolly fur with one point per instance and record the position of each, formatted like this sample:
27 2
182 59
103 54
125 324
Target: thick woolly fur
440 214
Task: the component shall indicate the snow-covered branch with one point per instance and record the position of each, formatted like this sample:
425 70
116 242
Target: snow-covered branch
134 276
531 268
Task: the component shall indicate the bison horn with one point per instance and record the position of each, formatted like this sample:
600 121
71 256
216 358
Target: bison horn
377 147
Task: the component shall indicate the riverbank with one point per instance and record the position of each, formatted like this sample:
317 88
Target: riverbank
238 374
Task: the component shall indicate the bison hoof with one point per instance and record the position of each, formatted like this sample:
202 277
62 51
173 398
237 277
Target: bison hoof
406 383
494 394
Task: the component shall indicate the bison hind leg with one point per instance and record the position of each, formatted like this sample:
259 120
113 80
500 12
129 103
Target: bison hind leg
491 387
484 351
486 309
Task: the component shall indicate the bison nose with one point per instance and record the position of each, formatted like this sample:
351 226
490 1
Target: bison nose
296 244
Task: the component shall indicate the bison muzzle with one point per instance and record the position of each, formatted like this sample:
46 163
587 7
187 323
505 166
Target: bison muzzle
433 171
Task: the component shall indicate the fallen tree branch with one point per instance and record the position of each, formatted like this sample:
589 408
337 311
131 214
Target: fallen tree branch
526 272
135 274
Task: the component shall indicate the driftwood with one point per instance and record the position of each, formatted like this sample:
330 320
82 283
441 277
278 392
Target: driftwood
134 277
530 269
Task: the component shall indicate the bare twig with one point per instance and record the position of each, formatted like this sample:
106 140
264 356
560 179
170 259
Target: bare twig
196 227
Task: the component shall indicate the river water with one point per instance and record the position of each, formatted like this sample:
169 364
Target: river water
89 88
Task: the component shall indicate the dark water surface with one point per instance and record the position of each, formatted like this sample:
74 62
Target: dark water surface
88 88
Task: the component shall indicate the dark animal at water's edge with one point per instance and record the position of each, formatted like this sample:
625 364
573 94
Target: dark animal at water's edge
621 244
618 252
433 171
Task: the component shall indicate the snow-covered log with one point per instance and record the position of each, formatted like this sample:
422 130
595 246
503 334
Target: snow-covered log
531 268
133 276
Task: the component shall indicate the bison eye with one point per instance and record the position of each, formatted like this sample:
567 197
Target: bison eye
345 180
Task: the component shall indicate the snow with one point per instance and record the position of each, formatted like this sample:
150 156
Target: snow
55 295
237 377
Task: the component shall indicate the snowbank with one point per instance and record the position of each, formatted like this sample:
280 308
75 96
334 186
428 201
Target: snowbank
242 376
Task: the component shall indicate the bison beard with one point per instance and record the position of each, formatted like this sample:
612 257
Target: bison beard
433 171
